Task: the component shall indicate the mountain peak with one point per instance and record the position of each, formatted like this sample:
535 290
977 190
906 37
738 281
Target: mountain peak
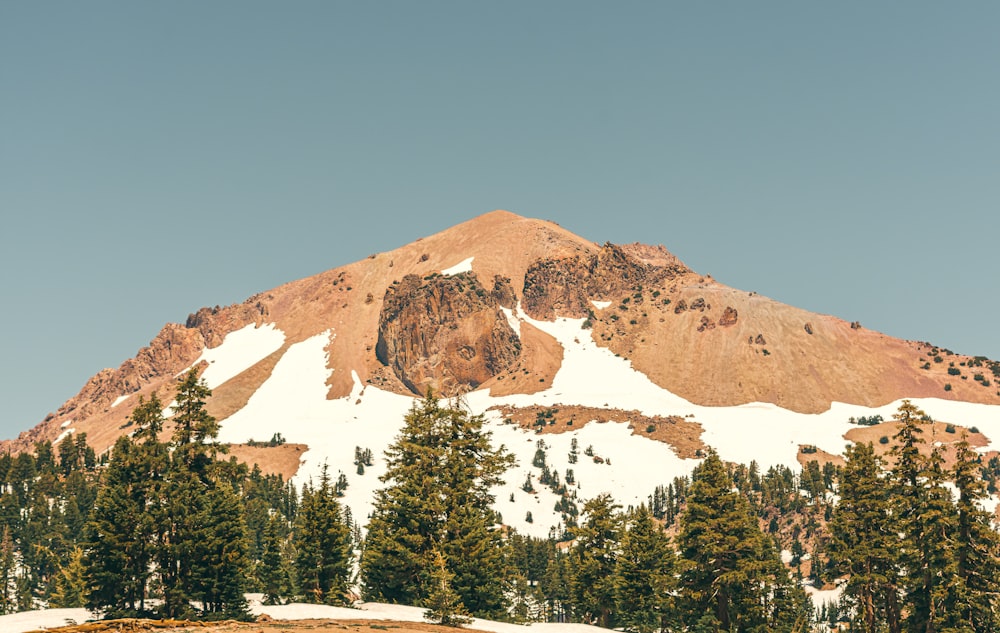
460 310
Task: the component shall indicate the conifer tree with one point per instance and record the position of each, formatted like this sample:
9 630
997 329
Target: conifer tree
272 573
323 555
70 583
733 577
444 606
119 542
594 560
865 542
219 554
440 471
977 549
644 576
8 573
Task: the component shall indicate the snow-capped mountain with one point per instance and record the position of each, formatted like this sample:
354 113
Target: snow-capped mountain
619 351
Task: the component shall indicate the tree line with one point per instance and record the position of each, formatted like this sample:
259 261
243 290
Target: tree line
170 528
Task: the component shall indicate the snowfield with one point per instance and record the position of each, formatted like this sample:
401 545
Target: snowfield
464 266
52 618
293 402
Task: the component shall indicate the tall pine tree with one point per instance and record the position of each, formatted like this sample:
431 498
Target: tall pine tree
733 578
323 553
440 471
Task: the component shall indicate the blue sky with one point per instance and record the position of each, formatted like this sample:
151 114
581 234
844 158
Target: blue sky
159 157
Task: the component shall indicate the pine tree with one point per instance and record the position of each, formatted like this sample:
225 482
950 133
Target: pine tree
594 560
323 545
272 573
219 554
644 580
70 583
8 573
865 542
732 574
119 537
440 471
977 549
444 606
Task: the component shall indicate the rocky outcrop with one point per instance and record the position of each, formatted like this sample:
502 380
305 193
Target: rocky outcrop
503 292
729 317
565 286
444 332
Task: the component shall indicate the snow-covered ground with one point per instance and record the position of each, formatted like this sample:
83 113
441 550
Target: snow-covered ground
293 402
464 266
52 618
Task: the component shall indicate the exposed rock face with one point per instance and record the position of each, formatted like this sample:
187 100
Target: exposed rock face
503 292
565 286
729 317
447 333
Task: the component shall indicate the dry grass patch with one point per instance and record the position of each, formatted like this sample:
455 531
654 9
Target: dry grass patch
681 435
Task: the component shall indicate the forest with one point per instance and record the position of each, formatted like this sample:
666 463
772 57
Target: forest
164 525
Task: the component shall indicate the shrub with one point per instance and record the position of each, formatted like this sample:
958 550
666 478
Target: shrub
950 428
954 371
650 428
938 359
974 429
884 439
809 449
947 386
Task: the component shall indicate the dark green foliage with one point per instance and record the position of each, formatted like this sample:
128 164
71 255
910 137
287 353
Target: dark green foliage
594 560
440 470
732 570
645 584
323 552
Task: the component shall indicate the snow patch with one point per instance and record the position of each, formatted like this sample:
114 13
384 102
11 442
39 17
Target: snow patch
294 401
42 619
118 401
402 613
600 305
52 618
66 423
239 351
464 266
62 436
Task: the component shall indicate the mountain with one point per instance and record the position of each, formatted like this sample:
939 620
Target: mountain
548 333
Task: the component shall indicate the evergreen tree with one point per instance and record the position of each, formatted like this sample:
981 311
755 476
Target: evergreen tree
444 606
732 570
977 549
322 545
439 473
864 542
272 573
644 576
70 583
219 554
594 561
8 573
118 545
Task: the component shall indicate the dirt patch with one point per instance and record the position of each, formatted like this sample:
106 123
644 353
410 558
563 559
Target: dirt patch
935 433
541 357
809 453
262 626
683 436
281 460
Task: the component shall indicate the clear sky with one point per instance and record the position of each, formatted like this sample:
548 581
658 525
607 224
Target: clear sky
156 157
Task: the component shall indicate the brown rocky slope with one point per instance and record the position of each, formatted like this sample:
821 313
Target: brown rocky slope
397 322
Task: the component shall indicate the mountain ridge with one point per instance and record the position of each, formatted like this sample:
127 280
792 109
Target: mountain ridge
689 334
